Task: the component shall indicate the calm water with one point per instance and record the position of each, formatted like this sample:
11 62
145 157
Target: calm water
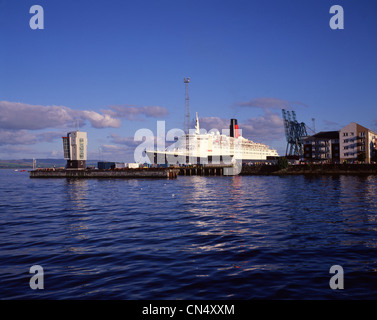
191 238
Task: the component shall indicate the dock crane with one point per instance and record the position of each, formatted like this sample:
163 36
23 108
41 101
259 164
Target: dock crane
294 132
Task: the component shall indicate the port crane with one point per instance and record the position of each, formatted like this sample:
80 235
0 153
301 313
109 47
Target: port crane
294 132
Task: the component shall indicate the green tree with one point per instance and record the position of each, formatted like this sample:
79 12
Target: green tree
283 163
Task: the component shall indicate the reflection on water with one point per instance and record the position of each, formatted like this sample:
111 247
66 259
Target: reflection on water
190 238
360 189
77 213
77 191
359 209
230 212
370 193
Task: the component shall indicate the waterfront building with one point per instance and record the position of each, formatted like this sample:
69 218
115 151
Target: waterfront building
75 149
350 144
322 147
357 143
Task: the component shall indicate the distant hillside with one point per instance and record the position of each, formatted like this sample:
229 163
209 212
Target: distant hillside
41 163
15 164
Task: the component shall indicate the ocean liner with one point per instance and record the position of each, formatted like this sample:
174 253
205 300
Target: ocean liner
212 147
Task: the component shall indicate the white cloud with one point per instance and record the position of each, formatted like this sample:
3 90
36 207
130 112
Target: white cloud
24 124
210 123
19 116
16 137
101 121
16 116
136 113
266 128
25 137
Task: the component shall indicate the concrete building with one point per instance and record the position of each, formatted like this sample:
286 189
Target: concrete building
75 149
322 147
357 143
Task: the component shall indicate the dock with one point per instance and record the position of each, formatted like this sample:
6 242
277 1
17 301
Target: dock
167 173
201 171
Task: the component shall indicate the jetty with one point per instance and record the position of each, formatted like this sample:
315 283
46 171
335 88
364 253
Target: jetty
167 173
204 170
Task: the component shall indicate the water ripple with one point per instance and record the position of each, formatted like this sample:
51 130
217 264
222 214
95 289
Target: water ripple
190 238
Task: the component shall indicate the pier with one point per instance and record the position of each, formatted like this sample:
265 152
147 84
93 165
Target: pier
167 173
206 170
173 172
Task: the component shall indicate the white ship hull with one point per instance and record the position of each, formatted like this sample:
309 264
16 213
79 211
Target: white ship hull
212 148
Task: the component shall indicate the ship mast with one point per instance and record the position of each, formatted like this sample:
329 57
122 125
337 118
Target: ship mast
187 117
197 128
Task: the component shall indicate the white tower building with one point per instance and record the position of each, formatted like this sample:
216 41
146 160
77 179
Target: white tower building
75 149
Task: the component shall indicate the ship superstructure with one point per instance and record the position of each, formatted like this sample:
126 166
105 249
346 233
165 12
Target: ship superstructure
213 147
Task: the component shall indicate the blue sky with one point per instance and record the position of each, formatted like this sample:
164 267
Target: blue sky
118 66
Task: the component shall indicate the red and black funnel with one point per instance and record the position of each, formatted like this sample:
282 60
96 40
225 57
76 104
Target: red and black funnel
234 128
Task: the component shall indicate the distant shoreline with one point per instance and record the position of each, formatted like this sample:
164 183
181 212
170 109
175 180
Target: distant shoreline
41 163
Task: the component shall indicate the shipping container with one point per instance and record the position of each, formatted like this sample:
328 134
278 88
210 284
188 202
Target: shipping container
106 165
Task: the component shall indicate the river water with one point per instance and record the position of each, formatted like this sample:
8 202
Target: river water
241 237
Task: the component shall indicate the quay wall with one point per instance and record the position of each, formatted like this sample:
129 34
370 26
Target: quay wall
172 173
352 169
129 173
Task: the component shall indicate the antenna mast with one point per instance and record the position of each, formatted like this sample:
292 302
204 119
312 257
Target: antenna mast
187 116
